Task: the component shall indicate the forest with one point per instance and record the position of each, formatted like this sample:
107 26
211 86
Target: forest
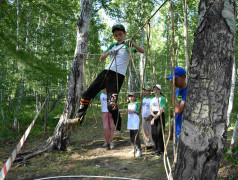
49 55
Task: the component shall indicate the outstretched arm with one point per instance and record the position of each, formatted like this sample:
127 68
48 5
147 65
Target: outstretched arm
138 48
104 56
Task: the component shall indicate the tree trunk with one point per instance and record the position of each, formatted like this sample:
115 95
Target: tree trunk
186 38
203 135
2 113
46 108
18 104
60 138
234 134
142 59
232 93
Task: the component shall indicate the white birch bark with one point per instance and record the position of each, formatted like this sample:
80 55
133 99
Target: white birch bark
186 38
142 58
232 94
60 138
234 134
18 105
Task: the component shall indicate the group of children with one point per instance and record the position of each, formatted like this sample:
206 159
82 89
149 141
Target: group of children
153 120
111 80
152 114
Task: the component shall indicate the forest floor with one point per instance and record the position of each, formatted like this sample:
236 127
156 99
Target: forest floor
87 156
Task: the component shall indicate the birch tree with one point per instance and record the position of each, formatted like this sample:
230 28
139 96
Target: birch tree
232 93
60 138
203 135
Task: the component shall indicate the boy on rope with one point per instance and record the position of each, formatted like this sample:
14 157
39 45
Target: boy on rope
180 97
112 76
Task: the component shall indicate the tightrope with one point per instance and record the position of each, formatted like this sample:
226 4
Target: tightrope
11 159
87 176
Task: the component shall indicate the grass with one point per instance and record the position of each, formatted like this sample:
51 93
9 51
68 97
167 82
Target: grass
85 155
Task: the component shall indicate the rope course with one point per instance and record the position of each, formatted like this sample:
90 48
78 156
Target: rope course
148 30
167 165
148 55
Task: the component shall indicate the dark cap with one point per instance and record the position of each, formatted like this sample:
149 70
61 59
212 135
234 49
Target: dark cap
179 71
131 94
118 27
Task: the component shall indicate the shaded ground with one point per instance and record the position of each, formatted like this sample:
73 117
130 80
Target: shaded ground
86 156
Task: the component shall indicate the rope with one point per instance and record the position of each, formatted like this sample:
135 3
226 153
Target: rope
149 19
173 67
161 120
86 176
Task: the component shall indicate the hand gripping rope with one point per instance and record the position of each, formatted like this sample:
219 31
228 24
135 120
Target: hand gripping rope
10 160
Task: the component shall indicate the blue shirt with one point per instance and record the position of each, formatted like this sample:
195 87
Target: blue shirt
181 96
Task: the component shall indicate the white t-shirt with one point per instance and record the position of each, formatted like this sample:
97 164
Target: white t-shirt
154 104
133 118
103 99
120 63
146 107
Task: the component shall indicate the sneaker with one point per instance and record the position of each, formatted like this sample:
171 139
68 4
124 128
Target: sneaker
158 154
118 135
105 144
83 108
111 145
82 111
138 153
132 151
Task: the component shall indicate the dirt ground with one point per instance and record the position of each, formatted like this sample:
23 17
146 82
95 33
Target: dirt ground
87 157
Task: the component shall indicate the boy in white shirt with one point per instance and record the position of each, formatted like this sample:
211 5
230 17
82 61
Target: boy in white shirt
133 124
112 76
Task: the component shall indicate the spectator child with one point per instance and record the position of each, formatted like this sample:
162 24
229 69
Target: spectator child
157 106
108 125
133 124
146 121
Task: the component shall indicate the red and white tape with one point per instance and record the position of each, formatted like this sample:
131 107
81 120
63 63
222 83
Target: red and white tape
10 160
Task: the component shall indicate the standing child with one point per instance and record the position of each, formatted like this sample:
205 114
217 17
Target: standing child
146 126
133 124
108 125
112 76
157 114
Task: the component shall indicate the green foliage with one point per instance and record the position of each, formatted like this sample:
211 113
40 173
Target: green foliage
37 47
231 157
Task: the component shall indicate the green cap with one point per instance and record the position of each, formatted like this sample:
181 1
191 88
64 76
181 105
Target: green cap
118 27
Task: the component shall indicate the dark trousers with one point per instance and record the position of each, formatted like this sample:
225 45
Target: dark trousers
112 81
157 135
132 138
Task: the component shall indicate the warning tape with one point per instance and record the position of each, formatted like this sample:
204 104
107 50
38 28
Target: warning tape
10 160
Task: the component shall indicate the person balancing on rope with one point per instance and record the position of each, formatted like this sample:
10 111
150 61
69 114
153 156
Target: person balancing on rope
112 76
